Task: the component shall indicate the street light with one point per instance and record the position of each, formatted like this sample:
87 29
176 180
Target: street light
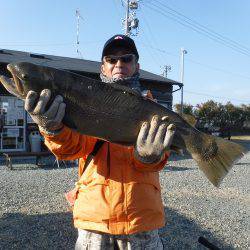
183 51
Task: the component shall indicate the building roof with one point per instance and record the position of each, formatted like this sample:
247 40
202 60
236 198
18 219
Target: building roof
73 64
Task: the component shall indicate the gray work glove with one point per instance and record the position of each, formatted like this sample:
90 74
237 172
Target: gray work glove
48 119
154 140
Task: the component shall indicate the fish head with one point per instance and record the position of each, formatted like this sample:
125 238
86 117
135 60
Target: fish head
25 77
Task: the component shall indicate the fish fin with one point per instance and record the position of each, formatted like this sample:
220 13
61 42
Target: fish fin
190 119
217 166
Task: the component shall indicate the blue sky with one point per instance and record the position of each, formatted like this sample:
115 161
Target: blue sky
212 70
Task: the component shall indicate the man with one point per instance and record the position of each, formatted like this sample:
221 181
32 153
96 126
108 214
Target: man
118 204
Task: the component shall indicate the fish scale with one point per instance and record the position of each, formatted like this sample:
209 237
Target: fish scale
115 113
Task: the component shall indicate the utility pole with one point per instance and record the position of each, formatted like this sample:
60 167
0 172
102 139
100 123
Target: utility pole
183 52
166 69
130 22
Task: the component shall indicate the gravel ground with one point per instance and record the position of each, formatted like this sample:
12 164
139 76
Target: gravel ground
34 214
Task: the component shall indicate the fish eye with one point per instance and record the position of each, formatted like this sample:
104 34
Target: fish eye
24 76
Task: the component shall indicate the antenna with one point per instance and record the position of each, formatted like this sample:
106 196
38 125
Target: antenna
78 16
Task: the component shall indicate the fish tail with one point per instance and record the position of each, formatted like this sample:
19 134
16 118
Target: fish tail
215 164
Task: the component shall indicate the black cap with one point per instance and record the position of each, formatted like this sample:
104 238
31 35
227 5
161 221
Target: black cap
120 41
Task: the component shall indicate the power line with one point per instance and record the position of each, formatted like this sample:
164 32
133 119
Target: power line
212 96
152 37
197 29
160 50
218 69
41 44
205 27
150 52
195 62
47 44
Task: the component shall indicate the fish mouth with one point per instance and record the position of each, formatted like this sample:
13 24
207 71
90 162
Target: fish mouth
13 85
18 82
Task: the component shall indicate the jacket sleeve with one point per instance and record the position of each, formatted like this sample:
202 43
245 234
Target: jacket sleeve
68 144
149 167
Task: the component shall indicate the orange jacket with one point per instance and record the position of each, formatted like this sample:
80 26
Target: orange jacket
117 194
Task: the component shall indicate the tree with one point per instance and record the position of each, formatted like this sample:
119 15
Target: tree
187 108
213 115
207 114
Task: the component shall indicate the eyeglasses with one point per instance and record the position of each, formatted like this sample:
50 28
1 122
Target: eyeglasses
124 58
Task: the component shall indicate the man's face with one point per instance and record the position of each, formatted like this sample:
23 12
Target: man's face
119 69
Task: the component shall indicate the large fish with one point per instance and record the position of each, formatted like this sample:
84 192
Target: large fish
115 113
